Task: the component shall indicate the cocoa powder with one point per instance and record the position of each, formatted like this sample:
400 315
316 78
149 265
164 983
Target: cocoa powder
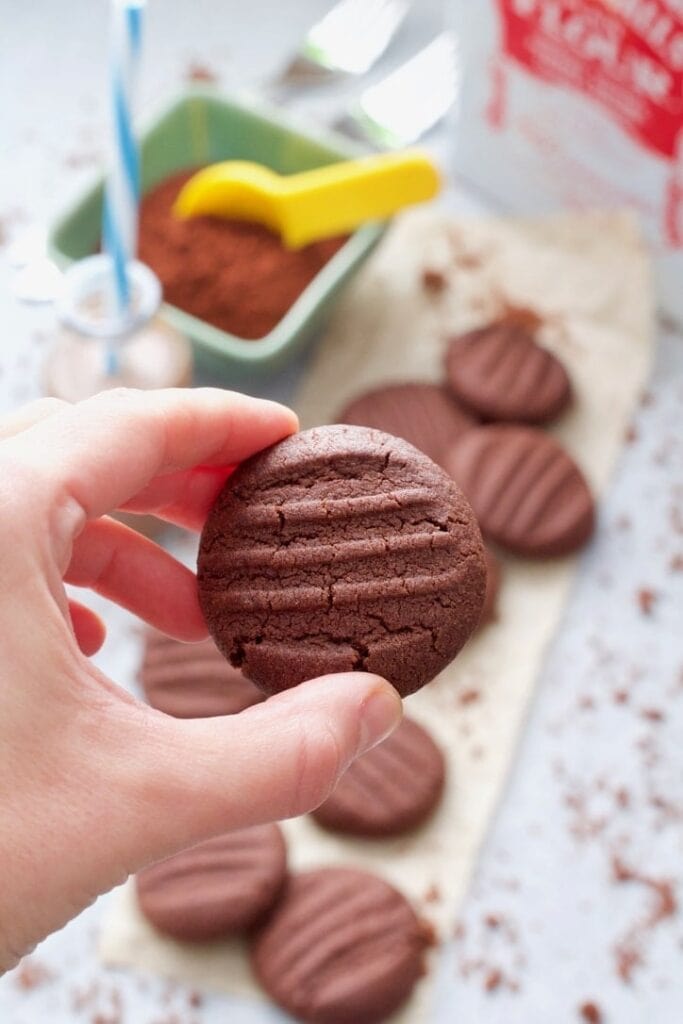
235 275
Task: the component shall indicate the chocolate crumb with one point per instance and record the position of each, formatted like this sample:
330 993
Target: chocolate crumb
622 797
195 999
469 260
676 563
31 974
631 434
629 950
493 980
653 714
433 281
646 600
469 697
433 894
621 696
591 1013
522 316
197 71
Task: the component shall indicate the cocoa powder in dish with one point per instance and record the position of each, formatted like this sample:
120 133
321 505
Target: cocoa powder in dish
234 274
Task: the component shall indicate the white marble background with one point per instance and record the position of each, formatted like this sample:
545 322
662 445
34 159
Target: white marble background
600 770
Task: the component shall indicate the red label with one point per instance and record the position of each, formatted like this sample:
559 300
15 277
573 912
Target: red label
626 55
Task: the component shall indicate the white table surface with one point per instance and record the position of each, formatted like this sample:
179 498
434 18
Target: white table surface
600 768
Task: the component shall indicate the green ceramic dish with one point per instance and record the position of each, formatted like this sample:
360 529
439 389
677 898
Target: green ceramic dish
203 127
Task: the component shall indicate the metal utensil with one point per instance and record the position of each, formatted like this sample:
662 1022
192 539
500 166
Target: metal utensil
349 38
408 102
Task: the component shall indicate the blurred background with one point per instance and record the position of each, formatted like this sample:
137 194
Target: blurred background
600 764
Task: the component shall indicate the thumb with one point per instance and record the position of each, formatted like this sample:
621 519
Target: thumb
279 759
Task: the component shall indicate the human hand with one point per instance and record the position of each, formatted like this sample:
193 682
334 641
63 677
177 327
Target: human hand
94 784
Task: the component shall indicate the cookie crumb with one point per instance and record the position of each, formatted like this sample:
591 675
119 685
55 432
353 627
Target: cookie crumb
591 1013
622 797
197 71
629 951
493 980
433 894
31 974
433 281
647 599
469 697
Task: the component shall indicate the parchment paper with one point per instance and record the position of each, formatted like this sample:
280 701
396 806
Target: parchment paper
588 277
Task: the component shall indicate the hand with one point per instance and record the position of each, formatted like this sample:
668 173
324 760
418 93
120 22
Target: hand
94 784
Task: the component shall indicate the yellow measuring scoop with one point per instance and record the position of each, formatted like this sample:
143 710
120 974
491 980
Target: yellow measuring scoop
314 204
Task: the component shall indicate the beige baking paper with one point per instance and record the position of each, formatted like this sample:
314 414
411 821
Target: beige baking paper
588 277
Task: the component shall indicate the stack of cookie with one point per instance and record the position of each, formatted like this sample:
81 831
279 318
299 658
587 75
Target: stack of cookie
329 945
483 426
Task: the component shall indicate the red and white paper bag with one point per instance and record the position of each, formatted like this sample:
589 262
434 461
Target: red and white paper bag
576 104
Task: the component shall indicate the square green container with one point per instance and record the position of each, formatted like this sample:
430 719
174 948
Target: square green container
201 128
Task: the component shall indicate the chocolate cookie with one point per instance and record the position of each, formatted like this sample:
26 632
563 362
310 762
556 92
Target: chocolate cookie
500 373
341 549
192 680
342 947
423 414
528 493
389 790
217 888
488 612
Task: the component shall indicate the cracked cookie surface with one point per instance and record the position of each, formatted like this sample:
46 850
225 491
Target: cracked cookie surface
341 548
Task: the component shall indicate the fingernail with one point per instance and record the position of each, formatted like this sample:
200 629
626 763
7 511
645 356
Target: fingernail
381 713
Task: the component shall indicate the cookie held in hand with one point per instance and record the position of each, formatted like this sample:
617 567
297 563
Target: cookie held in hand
341 946
341 549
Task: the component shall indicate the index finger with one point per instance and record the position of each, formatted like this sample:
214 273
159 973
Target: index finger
100 453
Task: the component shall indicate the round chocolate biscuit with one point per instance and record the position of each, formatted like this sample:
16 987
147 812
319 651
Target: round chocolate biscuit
528 493
341 947
389 790
425 415
192 680
216 888
341 549
493 574
499 372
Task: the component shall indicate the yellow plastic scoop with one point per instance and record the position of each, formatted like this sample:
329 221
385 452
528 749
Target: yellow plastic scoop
315 204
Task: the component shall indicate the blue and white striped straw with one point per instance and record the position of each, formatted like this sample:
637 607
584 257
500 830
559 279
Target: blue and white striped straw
122 193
